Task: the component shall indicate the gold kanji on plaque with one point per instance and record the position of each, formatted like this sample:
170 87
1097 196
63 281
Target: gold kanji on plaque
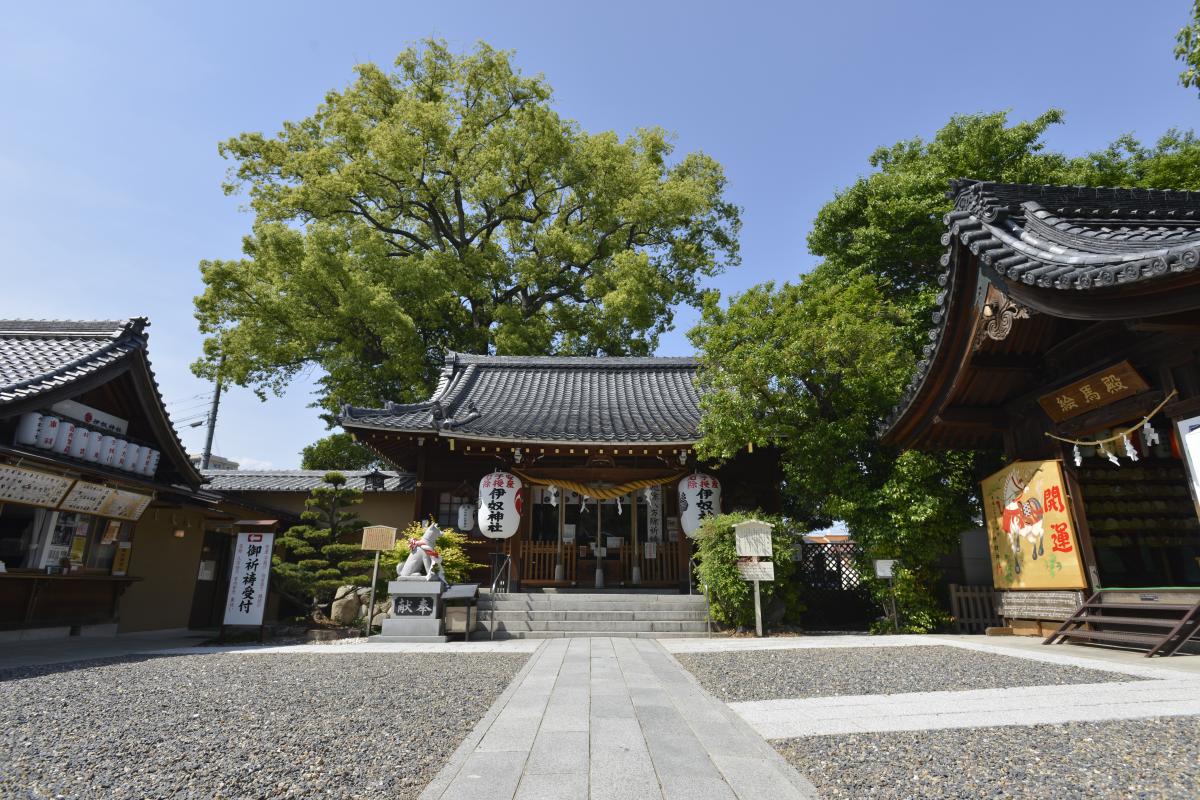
1118 381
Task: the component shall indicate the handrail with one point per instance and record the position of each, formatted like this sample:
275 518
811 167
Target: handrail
505 569
693 565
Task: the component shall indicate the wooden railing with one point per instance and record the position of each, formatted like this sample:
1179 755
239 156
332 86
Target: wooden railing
663 568
538 560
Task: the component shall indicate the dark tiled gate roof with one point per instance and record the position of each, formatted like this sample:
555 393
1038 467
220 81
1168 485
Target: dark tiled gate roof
298 480
548 399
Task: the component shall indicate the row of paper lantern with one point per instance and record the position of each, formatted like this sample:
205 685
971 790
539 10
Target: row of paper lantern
65 437
499 509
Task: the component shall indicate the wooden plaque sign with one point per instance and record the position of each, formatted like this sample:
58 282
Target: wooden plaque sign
1095 391
753 538
379 537
756 570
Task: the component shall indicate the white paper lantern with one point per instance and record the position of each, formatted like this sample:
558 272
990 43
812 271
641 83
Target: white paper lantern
27 428
47 432
108 449
133 458
118 453
95 446
80 442
62 442
699 497
150 465
149 454
499 505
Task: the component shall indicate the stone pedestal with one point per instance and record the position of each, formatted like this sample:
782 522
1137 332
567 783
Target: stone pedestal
415 614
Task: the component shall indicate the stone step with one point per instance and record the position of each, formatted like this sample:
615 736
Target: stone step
611 626
640 597
682 614
483 635
573 605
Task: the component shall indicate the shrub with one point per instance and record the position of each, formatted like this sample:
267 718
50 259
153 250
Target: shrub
731 599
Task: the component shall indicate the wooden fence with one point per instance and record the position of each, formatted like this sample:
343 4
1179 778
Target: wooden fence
974 608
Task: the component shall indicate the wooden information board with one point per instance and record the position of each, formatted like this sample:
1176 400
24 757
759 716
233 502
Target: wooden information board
1095 391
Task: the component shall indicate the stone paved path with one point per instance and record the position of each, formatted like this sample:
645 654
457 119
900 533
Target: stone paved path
608 719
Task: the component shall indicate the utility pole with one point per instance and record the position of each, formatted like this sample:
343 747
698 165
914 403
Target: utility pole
212 418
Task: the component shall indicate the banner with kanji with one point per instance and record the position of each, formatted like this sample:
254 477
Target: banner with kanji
1031 534
248 579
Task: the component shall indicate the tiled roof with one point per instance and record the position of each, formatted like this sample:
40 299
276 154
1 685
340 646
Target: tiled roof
48 357
1065 238
297 480
39 355
548 399
1075 237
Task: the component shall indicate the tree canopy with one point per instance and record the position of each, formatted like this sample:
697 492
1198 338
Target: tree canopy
1187 49
338 451
811 367
446 204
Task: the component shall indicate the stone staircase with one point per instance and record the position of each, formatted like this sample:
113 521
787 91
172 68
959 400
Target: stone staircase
568 614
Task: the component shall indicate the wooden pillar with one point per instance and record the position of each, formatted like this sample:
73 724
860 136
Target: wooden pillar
419 494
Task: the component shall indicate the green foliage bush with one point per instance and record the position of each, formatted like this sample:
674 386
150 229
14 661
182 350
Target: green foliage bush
730 598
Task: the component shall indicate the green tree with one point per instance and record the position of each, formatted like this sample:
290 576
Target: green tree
446 204
338 451
1187 49
311 560
812 367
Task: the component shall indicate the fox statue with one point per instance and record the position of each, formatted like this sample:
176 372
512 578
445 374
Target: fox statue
423 555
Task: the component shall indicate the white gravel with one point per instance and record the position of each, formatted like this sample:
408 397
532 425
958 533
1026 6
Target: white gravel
1148 758
233 725
739 676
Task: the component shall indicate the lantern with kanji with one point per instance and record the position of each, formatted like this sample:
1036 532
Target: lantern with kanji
699 498
499 505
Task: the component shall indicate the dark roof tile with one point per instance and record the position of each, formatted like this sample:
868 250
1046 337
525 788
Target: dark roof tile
298 480
547 399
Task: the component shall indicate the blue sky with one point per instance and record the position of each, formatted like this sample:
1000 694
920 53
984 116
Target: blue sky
112 113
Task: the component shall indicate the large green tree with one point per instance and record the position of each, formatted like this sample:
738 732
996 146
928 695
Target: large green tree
812 367
446 204
339 451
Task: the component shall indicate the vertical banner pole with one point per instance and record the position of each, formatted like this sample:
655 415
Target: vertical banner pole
757 611
371 602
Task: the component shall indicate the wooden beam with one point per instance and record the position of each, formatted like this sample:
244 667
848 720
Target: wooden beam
984 418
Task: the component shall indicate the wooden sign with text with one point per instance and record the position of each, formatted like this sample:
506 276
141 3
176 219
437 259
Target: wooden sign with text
1095 391
379 537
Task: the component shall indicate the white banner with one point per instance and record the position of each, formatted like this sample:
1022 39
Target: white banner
654 515
248 579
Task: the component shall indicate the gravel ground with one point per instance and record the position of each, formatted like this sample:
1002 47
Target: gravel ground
1146 758
826 672
236 725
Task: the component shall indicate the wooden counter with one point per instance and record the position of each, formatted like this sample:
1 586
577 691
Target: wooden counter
34 599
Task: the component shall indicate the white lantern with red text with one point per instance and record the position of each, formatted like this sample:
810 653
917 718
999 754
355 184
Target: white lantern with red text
499 505
699 498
